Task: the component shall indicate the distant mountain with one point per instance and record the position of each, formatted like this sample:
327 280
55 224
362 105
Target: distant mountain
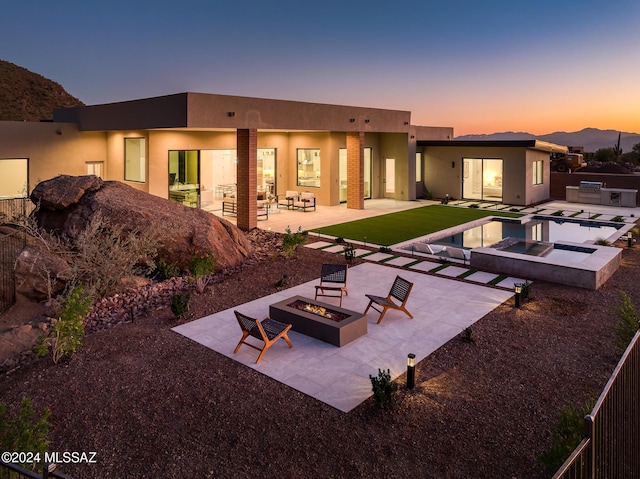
591 138
27 96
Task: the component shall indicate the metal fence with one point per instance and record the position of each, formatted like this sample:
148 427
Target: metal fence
612 431
12 241
13 471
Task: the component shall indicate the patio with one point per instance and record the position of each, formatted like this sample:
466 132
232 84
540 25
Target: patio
442 309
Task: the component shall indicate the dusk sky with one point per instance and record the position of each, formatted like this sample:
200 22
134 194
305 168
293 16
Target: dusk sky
481 67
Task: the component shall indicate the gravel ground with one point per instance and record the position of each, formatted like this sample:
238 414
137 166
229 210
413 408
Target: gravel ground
152 403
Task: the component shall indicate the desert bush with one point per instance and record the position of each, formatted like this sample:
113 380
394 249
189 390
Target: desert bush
180 304
628 322
25 431
384 389
67 332
201 266
291 241
165 270
602 242
103 254
566 435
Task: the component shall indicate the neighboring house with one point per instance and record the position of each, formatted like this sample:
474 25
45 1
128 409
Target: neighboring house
515 172
197 149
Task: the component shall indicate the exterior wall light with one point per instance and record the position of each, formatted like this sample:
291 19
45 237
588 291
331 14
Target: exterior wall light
367 120
231 113
411 371
352 120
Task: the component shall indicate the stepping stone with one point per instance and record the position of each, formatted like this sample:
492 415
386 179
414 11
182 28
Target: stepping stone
509 282
425 266
400 261
318 245
361 251
378 256
481 277
452 271
335 249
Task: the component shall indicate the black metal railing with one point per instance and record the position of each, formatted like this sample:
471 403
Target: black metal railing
612 430
13 239
13 471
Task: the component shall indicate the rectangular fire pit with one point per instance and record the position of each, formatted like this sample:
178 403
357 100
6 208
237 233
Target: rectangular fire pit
329 323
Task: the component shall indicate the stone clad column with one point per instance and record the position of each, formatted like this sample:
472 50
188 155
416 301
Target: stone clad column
355 170
247 187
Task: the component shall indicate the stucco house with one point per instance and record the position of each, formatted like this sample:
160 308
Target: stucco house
198 149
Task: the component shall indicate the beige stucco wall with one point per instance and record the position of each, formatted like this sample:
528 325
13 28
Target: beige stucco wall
51 148
441 178
396 145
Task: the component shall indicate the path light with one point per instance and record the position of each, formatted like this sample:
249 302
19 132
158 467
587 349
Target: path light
629 239
411 371
518 289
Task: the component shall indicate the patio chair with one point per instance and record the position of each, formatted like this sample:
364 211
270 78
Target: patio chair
399 291
267 330
333 281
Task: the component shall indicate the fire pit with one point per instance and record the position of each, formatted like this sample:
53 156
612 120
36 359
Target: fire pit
334 325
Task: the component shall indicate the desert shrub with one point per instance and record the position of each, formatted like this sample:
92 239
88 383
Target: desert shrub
291 241
384 389
618 219
103 254
339 240
602 242
25 431
201 266
67 332
180 304
385 249
474 205
165 270
628 322
467 336
558 213
566 435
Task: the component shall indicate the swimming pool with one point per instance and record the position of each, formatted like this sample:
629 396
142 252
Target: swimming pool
543 229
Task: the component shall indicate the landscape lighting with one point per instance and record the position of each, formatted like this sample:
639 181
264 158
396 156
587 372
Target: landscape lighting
411 370
518 289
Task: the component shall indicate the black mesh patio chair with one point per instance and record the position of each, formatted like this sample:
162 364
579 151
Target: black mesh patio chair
399 291
267 330
333 281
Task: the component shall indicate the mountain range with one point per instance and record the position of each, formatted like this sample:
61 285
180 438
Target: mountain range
591 139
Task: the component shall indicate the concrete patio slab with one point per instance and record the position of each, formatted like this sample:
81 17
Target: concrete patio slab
441 307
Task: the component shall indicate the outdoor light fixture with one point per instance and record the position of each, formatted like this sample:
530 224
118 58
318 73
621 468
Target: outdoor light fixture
231 113
367 120
411 370
518 289
629 239
352 120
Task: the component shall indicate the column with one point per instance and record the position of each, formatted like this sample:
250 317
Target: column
246 194
355 170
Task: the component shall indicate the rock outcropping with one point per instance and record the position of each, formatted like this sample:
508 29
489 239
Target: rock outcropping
67 204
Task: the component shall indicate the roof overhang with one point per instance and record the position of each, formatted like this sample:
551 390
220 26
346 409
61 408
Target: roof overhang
529 144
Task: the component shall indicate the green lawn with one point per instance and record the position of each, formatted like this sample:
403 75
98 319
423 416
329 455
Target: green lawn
397 227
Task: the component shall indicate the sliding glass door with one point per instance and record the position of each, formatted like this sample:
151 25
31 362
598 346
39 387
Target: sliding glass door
482 179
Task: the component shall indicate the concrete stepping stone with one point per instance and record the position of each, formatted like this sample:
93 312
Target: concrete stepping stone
509 282
318 244
378 256
481 277
400 261
452 271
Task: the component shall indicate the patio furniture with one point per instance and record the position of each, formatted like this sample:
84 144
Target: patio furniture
333 281
400 291
268 330
287 201
457 253
305 201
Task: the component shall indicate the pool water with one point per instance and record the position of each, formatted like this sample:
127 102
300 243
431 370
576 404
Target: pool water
537 229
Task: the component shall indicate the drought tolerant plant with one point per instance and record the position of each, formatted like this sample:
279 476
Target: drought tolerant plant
385 249
165 270
67 332
202 265
291 241
566 435
384 389
180 304
628 324
467 336
26 431
558 213
602 242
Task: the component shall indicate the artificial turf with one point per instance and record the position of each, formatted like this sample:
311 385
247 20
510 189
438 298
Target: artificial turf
402 226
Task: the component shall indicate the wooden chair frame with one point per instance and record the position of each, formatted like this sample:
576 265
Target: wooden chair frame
334 280
267 330
400 291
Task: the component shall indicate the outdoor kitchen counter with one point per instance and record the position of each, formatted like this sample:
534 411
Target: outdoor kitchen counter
602 196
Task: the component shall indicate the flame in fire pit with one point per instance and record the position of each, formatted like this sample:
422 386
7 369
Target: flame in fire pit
319 310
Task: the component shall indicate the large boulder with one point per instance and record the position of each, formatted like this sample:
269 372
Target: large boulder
40 274
68 203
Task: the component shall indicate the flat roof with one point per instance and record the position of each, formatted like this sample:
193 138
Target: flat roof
533 144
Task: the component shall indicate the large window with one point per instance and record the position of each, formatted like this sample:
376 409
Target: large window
135 164
15 178
309 167
538 169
